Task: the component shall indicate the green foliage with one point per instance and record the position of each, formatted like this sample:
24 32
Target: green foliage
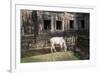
83 39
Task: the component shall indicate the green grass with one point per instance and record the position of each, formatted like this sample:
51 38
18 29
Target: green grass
58 56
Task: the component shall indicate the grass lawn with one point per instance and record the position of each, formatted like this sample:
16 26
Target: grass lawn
58 56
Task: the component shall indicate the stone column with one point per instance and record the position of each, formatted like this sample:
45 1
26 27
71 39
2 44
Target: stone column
22 27
66 19
63 24
52 23
75 24
68 24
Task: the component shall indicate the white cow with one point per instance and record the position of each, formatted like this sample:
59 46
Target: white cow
58 40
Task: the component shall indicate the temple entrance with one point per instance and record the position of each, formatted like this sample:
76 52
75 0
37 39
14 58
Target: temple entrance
82 24
47 24
71 24
59 25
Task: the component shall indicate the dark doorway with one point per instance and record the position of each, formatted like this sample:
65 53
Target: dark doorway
47 24
58 25
71 24
82 24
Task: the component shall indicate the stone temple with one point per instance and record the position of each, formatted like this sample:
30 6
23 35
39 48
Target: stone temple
37 27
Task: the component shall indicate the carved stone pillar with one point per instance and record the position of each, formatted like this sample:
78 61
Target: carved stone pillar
52 23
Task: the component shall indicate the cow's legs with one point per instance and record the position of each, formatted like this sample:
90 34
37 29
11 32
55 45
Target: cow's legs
54 49
51 49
